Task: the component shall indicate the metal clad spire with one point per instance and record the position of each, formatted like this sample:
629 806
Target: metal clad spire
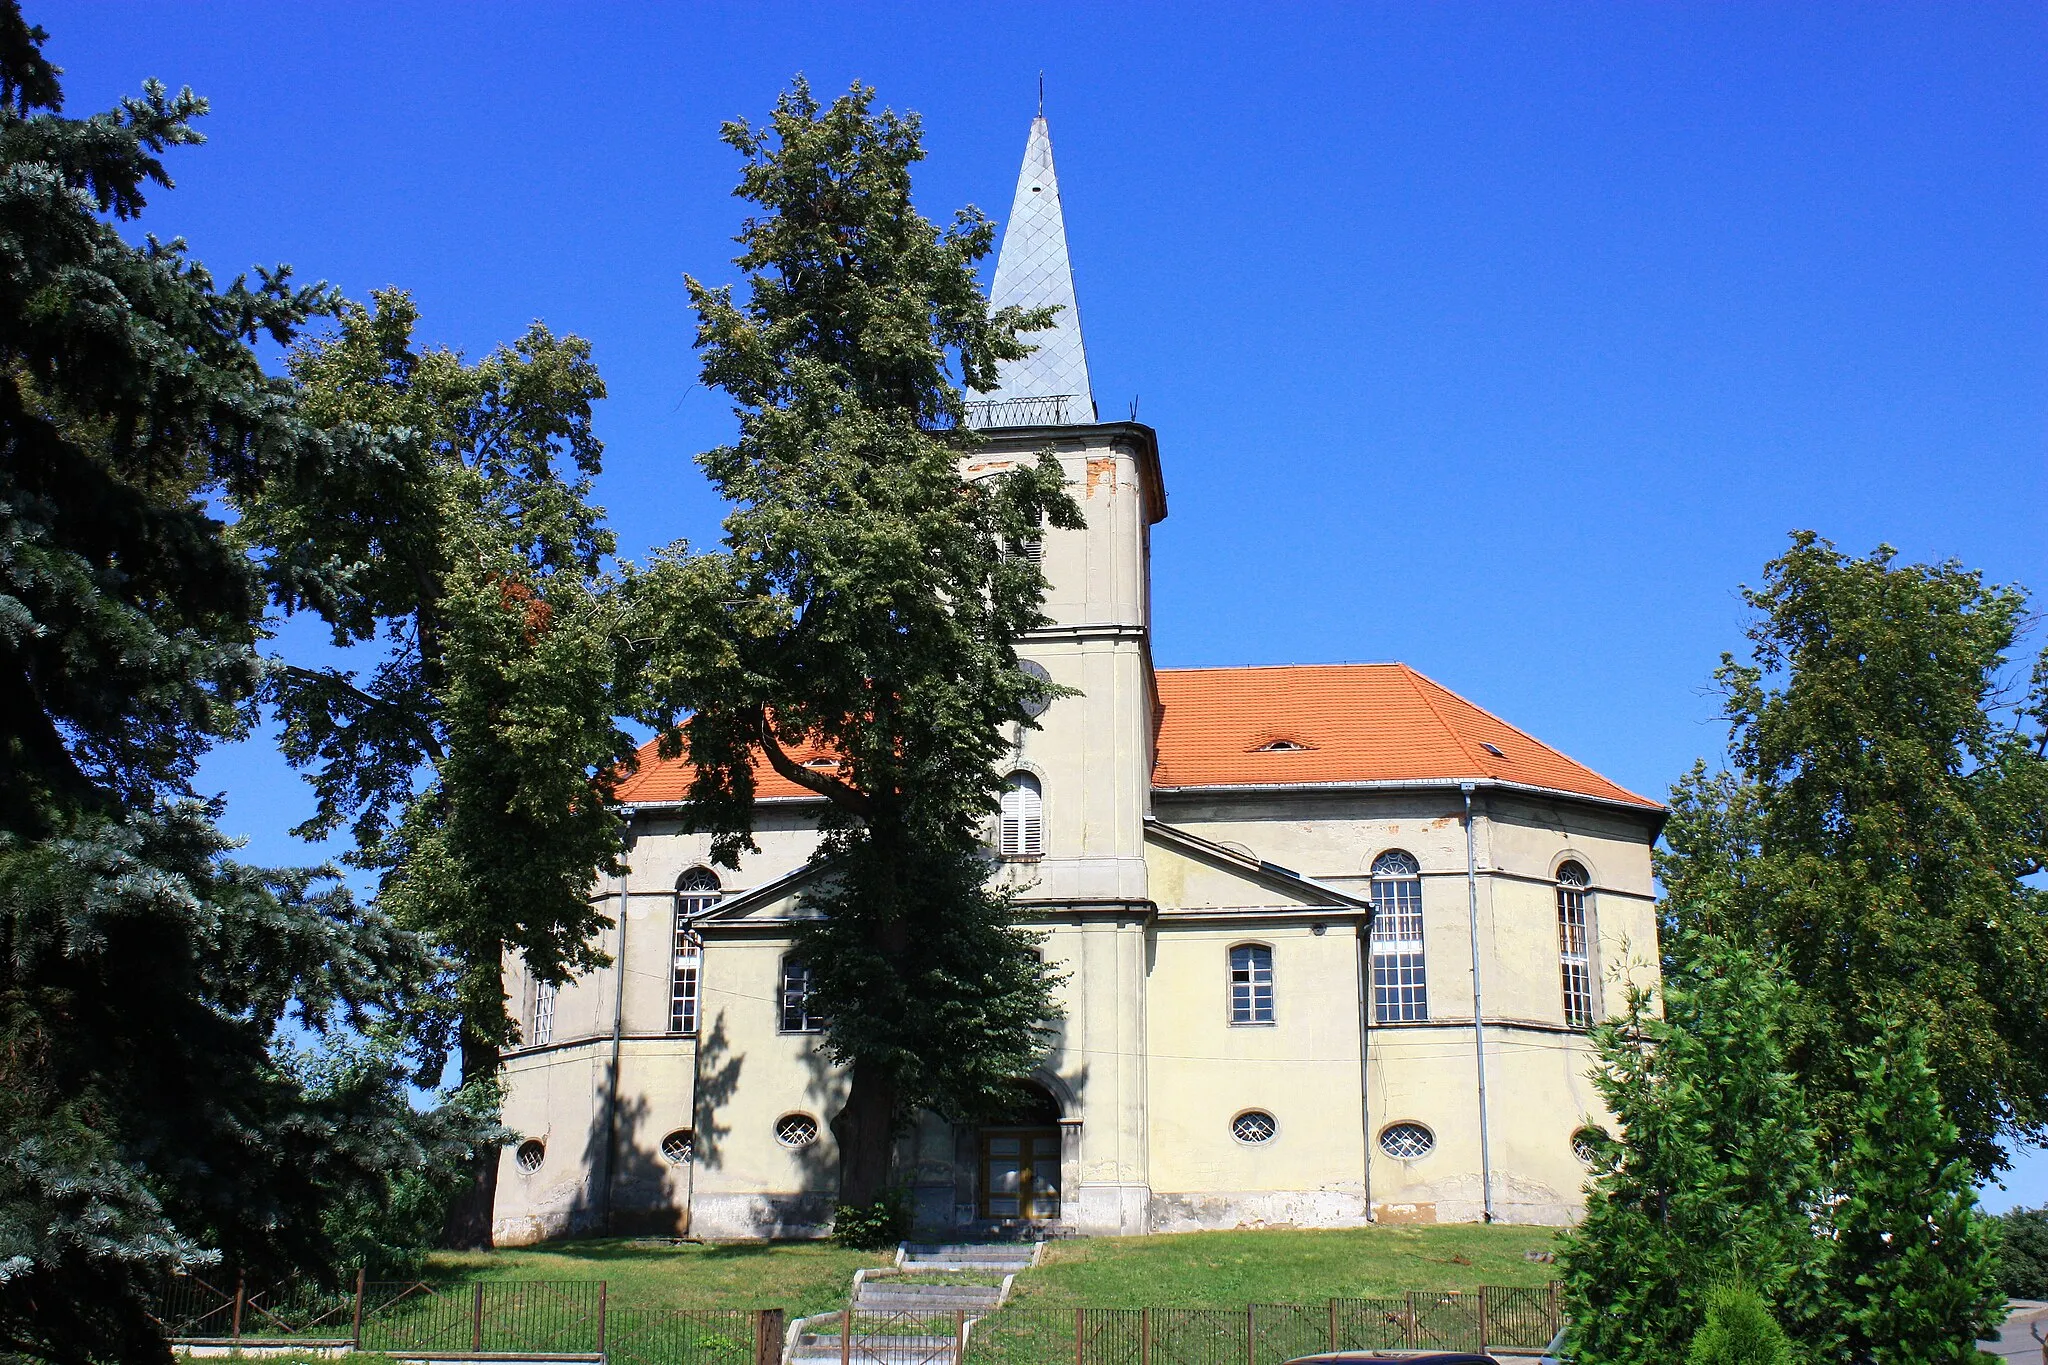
1032 271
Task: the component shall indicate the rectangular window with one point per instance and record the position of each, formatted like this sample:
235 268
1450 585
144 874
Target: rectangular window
1251 984
1574 965
1400 987
684 979
797 1013
543 1031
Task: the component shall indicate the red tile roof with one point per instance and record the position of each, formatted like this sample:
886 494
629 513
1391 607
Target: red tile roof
1355 723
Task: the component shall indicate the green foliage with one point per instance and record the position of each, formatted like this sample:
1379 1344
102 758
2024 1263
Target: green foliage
1739 1330
1913 1275
863 603
1712 1179
2022 1240
1883 811
147 1121
873 1226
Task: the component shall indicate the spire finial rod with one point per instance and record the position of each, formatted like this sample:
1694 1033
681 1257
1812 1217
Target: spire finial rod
1041 94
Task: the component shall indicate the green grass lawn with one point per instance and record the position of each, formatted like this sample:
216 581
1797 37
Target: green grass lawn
797 1277
1196 1269
1283 1265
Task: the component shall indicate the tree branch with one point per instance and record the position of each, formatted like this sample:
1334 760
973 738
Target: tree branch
842 794
422 733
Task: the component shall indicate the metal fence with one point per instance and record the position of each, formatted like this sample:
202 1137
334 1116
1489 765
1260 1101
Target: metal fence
425 1319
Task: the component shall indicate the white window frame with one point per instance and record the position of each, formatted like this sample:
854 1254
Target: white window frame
1400 975
697 892
1252 998
543 1031
793 998
1020 822
1575 944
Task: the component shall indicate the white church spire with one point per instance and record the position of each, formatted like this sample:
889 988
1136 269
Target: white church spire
1050 386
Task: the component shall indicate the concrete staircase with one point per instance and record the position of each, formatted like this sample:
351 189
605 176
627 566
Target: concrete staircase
896 1323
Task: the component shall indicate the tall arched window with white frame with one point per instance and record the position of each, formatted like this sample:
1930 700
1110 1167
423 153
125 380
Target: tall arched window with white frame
1574 956
543 1031
1400 985
697 892
1021 824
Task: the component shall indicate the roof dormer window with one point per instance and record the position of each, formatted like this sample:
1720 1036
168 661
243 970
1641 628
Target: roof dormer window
1282 746
821 763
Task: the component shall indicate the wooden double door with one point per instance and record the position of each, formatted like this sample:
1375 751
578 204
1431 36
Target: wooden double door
1020 1173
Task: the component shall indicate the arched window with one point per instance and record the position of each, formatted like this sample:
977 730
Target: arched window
1400 987
1574 962
696 892
798 1014
1251 984
1022 826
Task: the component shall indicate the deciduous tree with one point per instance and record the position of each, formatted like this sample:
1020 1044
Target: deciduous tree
863 603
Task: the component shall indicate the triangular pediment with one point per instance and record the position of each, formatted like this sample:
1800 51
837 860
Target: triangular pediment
1187 872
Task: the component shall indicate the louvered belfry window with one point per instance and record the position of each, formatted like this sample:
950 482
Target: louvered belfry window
1574 959
1022 823
696 892
1400 986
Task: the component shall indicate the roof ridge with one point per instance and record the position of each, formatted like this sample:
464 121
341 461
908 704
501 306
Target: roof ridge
1506 724
1411 674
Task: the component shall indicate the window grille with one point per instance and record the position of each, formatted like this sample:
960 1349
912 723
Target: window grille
1251 984
1574 962
678 1147
1254 1126
1588 1143
1400 985
798 1015
1406 1141
796 1130
1022 822
531 1154
543 1031
696 893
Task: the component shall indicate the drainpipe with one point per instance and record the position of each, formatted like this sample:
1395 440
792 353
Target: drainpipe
1478 1000
1364 1070
611 1104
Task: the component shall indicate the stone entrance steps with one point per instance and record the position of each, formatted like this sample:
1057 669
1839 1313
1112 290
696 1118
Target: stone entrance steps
915 1324
1004 1256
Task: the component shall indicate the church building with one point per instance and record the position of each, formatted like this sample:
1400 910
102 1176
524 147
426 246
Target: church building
1333 936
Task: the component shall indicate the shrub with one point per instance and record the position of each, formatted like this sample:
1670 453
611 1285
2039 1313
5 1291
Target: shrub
871 1227
1739 1330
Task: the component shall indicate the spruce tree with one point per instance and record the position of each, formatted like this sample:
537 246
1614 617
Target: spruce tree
1879 831
863 603
1912 1271
148 1122
1713 1177
453 552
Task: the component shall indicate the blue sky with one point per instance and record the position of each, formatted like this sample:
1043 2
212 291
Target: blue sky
1507 341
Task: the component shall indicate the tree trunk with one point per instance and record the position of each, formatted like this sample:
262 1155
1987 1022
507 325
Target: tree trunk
468 1227
866 1130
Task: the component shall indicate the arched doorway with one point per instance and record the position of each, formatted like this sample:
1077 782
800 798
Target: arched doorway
1019 1171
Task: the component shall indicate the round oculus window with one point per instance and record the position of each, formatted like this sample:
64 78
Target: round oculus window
1254 1126
676 1147
530 1155
796 1130
1406 1141
1588 1142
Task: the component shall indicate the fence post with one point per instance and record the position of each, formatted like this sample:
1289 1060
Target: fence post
1484 1326
768 1336
846 1333
1333 1324
1408 1332
476 1320
1556 1310
959 1335
603 1294
355 1329
1250 1346
1080 1333
1144 1336
236 1330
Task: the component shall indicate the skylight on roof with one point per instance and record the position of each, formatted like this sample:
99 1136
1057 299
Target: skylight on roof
1490 749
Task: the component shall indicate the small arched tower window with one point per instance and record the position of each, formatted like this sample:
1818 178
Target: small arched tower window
1400 986
1021 832
1251 984
1575 967
696 892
